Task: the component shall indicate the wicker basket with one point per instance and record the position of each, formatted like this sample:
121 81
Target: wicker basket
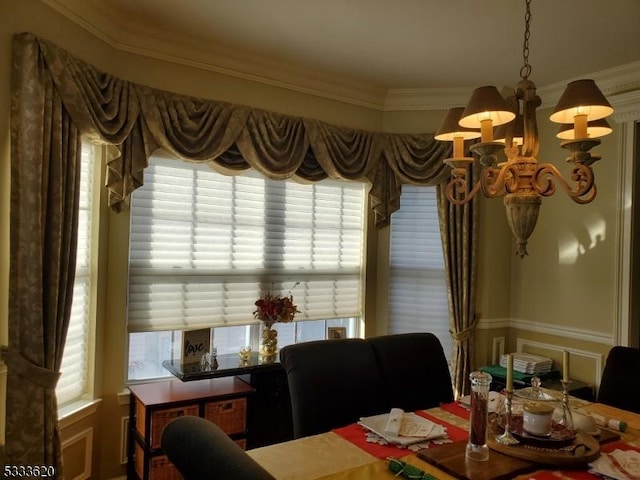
160 418
229 415
160 467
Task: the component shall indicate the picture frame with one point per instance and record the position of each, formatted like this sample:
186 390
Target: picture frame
336 332
195 343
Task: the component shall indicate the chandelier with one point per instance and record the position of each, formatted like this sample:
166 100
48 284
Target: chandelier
523 181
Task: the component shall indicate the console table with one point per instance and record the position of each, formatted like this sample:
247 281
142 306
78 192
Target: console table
269 417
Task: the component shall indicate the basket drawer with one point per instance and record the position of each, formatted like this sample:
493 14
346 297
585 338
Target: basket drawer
160 418
160 467
229 415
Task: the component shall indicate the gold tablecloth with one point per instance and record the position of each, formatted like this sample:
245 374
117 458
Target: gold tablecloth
328 456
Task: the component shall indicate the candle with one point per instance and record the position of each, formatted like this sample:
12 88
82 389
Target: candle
509 386
565 366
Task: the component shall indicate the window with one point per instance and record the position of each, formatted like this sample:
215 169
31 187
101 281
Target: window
417 288
74 381
203 247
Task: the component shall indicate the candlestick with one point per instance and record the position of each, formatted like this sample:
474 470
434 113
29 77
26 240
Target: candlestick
507 438
567 417
509 385
565 366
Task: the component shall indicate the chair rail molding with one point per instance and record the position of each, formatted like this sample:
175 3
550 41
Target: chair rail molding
491 323
562 331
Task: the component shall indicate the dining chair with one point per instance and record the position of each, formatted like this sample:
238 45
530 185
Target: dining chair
200 449
414 369
619 386
332 383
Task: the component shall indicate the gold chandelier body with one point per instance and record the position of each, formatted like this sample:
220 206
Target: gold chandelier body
521 179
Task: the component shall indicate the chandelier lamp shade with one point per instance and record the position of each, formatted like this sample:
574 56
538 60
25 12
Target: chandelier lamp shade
510 125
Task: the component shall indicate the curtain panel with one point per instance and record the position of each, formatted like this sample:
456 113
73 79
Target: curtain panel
55 98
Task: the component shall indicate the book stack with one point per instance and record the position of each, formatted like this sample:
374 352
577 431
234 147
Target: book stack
528 363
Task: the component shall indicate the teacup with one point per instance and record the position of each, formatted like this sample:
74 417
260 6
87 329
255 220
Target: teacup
536 418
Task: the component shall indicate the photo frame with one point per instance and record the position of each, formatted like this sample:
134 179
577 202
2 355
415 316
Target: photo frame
195 343
336 332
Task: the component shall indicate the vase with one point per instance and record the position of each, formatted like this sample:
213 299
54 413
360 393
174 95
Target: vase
269 341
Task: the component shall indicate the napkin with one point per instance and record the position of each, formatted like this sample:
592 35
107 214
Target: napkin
394 422
413 428
619 465
493 406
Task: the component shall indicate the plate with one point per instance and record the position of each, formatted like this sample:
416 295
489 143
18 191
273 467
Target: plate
560 434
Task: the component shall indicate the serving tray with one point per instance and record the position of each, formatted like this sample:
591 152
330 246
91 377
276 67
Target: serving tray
580 450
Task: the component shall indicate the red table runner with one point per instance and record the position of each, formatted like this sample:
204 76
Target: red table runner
356 434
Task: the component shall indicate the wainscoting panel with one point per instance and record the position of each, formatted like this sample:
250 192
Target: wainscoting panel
497 349
77 452
124 439
555 351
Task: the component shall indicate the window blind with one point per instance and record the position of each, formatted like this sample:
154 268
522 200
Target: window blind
72 383
417 287
203 247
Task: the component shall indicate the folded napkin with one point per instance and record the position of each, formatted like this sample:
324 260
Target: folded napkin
413 428
619 465
493 406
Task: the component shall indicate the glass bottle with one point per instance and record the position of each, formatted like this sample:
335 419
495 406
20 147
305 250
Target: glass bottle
477 448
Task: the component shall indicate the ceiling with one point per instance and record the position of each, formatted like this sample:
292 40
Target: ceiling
373 44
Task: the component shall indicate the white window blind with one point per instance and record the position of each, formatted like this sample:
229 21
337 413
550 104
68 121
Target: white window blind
417 289
204 246
73 382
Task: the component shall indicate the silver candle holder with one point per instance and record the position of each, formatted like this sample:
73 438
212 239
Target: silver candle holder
507 438
567 416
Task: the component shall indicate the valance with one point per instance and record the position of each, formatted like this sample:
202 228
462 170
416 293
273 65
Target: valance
139 120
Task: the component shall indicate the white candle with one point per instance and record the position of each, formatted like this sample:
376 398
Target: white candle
565 365
509 386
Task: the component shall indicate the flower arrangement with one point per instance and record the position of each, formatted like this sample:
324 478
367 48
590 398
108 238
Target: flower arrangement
275 308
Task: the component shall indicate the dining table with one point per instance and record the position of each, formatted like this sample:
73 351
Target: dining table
346 453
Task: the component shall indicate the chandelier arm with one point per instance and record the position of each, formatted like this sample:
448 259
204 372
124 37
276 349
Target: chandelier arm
457 191
584 190
495 181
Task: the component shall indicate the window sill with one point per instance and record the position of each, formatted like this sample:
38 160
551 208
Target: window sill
76 411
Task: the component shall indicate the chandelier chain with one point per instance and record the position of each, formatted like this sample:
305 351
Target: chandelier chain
525 71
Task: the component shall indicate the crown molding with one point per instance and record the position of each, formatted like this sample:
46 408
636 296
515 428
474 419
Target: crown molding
627 106
138 39
404 99
144 41
612 82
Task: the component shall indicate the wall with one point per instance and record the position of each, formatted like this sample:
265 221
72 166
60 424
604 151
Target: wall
564 294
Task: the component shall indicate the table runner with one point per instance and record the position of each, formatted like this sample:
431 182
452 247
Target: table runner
356 434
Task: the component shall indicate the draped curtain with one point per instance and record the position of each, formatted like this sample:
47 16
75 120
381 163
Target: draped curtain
458 228
55 99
